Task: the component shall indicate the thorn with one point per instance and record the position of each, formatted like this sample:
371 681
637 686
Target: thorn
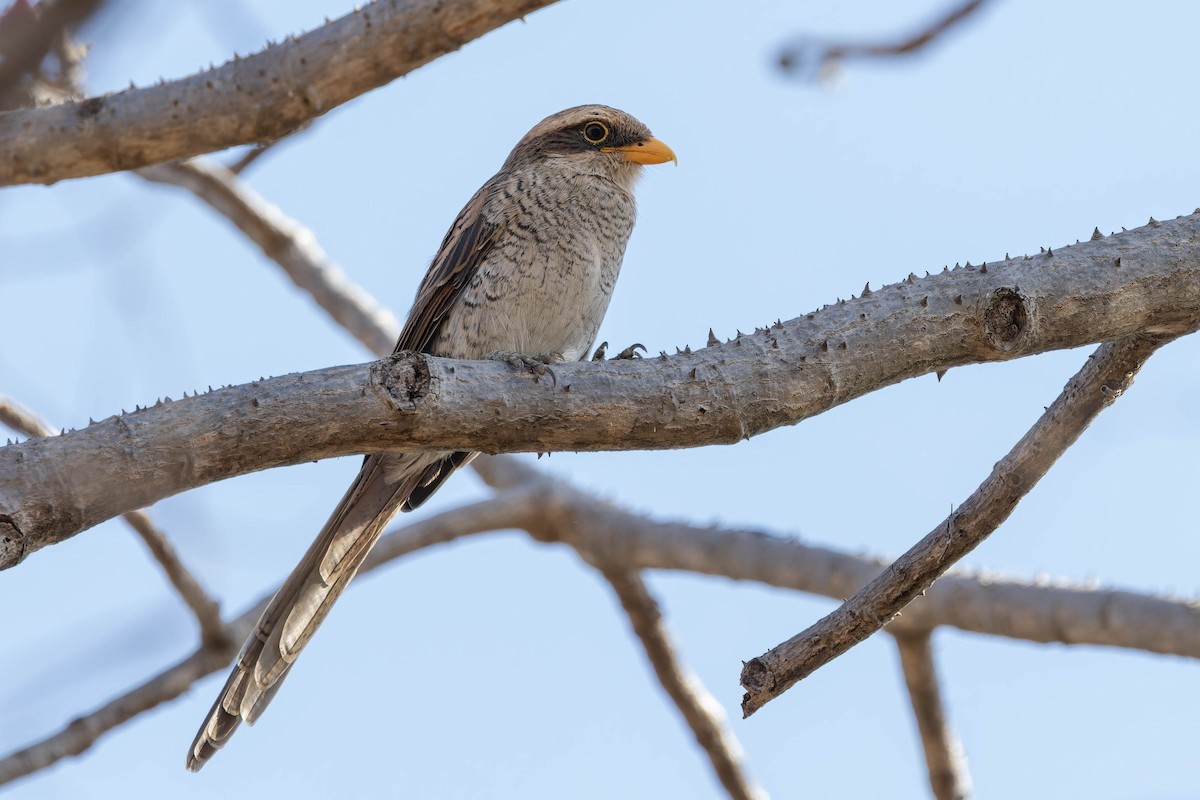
925 301
841 346
1096 234
1153 222
567 388
983 269
824 345
775 344
968 265
687 349
1006 258
1049 252
778 323
692 374
739 334
712 339
662 355
1042 249
1123 230
866 292
926 273
1118 261
940 373
911 278
946 269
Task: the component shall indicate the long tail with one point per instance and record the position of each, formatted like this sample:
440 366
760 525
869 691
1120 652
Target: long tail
383 485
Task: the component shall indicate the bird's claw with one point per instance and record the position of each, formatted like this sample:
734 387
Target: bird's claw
627 353
537 364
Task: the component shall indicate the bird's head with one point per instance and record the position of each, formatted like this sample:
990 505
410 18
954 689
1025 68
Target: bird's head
592 139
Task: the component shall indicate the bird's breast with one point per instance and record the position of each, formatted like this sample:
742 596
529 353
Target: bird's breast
545 284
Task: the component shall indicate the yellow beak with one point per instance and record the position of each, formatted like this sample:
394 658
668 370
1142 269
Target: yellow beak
648 151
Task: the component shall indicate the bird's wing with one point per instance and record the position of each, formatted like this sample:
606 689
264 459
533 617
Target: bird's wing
384 484
467 243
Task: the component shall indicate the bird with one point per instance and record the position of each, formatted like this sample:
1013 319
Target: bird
524 275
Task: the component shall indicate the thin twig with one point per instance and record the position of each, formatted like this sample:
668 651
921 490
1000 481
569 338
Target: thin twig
812 57
506 510
700 709
262 148
289 244
944 757
206 610
1107 373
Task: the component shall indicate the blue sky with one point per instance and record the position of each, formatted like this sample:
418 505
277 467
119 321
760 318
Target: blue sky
1029 127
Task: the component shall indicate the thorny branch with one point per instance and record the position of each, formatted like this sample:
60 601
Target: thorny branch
1142 281
552 511
208 614
1107 373
944 758
247 100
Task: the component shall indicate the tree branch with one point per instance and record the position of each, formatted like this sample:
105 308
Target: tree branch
700 710
208 614
948 776
810 57
1107 374
1146 280
554 511
502 511
986 603
254 99
289 244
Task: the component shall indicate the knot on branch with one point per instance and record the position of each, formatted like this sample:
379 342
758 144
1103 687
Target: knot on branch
1006 319
403 378
12 543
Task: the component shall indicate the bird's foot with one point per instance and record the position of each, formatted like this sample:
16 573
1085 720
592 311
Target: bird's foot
626 354
537 364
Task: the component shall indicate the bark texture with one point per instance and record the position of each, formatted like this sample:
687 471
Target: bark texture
1142 281
253 99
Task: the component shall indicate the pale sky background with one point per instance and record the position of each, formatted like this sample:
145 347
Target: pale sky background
501 668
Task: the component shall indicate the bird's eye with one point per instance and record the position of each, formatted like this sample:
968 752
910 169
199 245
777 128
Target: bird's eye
595 132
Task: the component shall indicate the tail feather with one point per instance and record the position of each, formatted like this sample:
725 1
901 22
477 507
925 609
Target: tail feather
384 484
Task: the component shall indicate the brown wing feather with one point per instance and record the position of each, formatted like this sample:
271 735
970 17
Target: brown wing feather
384 484
469 239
